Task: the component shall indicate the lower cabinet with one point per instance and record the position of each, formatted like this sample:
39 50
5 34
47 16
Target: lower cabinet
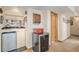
21 42
9 38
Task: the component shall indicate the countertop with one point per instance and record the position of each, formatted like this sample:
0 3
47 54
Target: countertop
12 29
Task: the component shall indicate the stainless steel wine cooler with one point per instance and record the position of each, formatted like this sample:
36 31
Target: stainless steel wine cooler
40 42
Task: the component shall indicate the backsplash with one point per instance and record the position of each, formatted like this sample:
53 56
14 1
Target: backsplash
11 21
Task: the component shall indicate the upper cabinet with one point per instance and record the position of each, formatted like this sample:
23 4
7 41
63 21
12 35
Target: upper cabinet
13 17
1 16
14 11
1 11
1 19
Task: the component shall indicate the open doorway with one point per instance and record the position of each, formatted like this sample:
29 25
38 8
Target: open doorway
54 29
74 27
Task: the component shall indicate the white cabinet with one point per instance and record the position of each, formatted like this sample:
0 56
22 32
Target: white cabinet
28 39
21 36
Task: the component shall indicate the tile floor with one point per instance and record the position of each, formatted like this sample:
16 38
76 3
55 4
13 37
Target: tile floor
68 45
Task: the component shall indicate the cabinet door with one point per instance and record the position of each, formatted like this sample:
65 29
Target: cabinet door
1 19
21 38
44 43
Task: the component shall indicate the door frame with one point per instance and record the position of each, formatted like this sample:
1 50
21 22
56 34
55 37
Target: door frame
56 26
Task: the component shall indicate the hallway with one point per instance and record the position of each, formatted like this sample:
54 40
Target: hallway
69 45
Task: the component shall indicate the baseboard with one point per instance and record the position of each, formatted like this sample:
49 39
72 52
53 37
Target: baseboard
68 37
19 49
64 39
74 35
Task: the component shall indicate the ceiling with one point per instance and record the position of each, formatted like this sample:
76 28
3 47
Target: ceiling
77 9
67 10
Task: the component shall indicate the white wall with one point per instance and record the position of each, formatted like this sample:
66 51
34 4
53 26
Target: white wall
75 27
31 26
30 19
45 16
49 25
64 28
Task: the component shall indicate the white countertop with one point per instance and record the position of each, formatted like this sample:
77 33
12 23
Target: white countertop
10 30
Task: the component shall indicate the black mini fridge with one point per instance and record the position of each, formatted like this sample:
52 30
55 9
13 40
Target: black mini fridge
40 42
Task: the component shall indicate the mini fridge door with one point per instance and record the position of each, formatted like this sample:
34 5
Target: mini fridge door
35 42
